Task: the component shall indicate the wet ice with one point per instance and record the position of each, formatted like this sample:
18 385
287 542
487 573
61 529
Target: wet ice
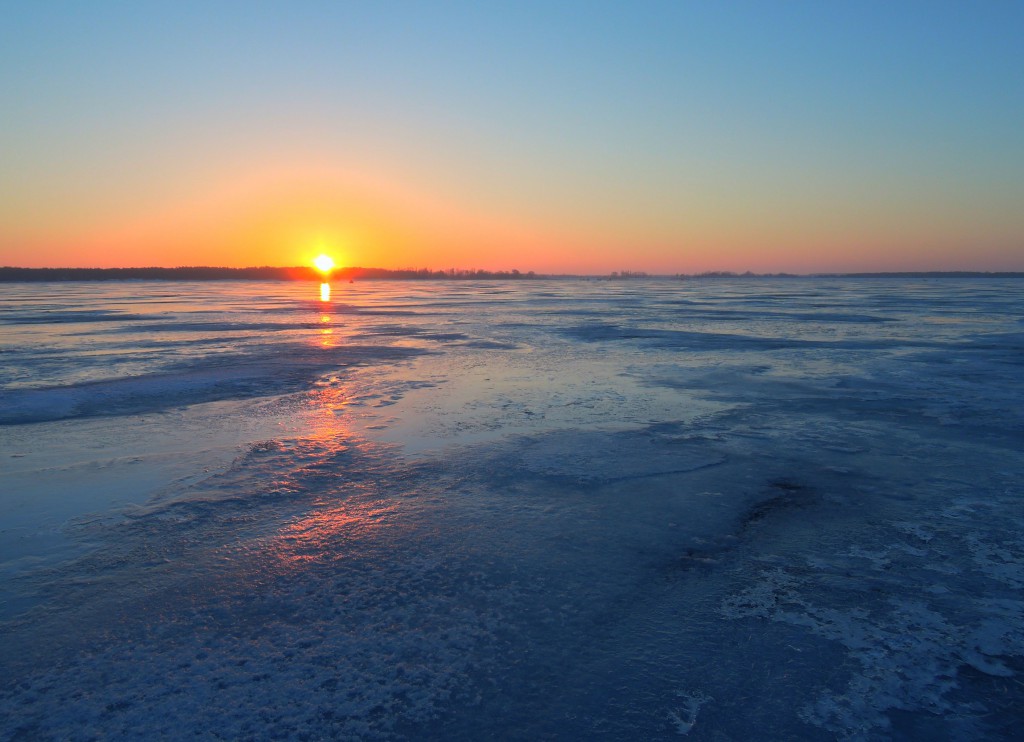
782 508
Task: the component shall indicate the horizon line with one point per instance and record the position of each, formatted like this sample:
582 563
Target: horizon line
17 273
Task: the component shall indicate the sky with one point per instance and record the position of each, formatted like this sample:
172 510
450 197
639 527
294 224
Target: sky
575 137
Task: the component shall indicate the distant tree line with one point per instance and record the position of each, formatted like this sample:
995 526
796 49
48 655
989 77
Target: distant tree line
426 273
268 273
891 274
265 273
733 274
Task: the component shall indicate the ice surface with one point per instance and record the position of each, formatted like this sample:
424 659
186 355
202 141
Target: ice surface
732 509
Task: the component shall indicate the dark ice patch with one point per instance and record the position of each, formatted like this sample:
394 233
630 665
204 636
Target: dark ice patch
70 316
489 345
216 377
783 495
595 456
718 341
211 326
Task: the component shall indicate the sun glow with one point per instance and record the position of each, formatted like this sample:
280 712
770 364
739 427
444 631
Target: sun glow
323 263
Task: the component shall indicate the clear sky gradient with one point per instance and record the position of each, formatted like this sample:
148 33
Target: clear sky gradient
550 136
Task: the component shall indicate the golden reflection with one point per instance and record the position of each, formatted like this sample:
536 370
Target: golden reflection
332 533
325 291
323 422
347 517
326 331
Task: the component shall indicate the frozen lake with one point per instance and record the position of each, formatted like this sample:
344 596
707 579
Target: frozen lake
645 509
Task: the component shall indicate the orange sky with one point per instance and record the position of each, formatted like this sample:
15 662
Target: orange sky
285 214
281 217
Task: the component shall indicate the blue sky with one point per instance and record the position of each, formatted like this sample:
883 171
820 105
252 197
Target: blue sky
751 134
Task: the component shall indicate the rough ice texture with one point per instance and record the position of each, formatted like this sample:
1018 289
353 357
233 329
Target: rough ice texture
751 509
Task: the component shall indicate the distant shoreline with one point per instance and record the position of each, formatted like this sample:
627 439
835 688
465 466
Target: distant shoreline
263 273
201 273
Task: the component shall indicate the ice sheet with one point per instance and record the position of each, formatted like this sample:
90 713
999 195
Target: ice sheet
732 509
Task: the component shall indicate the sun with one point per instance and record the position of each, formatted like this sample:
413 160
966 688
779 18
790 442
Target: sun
323 263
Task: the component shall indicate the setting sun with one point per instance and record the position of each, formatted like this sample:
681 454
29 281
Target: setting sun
323 263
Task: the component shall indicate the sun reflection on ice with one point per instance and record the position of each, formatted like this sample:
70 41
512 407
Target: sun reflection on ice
326 331
345 517
324 423
332 533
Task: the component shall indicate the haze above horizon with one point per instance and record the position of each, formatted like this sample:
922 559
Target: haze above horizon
560 137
